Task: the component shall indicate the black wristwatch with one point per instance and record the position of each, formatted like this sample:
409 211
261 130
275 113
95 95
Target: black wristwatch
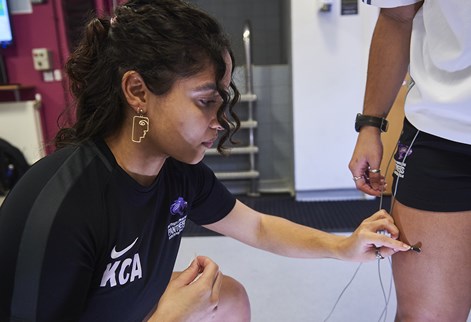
379 122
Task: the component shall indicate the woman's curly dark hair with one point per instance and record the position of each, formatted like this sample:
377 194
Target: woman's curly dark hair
162 40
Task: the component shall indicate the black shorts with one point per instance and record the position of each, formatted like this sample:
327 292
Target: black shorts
432 173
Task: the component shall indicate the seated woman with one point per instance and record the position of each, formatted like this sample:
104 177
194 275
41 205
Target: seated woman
91 232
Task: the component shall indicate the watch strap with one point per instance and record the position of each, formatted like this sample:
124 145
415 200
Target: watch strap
368 120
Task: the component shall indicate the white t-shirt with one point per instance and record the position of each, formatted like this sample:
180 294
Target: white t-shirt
439 102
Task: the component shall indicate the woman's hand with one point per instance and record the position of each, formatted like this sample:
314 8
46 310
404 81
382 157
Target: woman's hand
366 161
191 296
365 241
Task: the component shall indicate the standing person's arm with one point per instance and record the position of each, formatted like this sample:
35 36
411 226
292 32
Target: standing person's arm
387 68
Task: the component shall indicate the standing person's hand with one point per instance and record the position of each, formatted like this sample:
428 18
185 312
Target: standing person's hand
366 161
193 295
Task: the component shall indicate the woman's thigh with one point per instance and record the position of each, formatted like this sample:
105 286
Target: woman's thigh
234 305
434 285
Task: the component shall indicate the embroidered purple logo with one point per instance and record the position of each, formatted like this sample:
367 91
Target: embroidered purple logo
401 152
178 207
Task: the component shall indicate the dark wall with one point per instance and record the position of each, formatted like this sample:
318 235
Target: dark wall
268 24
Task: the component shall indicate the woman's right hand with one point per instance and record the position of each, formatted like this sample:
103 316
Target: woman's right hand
193 295
367 156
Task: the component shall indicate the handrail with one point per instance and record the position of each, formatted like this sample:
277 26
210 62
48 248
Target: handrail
248 57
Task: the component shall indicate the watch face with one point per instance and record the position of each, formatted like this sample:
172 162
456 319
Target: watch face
358 122
384 125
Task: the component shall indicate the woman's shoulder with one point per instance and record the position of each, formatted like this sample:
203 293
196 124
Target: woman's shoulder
63 171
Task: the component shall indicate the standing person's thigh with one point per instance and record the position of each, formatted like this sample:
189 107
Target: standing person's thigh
434 285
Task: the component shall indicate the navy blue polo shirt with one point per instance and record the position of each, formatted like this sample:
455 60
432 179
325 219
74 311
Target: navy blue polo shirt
81 240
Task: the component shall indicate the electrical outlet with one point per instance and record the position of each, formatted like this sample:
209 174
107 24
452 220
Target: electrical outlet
42 59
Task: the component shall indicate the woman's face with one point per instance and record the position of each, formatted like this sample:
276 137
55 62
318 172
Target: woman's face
183 122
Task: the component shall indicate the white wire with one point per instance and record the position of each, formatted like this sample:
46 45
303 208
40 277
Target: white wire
343 291
388 297
403 161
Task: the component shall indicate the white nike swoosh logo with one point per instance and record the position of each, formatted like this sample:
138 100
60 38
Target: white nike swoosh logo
115 254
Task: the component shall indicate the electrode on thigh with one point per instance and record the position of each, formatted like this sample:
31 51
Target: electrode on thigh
415 248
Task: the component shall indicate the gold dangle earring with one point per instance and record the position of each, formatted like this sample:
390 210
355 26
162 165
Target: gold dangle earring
140 126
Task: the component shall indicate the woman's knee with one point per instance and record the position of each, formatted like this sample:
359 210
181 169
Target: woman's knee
234 304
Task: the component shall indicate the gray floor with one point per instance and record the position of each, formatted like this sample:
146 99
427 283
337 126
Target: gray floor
286 290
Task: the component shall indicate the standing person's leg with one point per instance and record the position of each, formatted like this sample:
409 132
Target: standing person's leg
432 207
434 285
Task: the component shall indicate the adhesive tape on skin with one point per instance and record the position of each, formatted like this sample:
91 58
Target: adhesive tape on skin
384 232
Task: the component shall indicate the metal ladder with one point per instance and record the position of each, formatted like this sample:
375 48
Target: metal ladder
250 124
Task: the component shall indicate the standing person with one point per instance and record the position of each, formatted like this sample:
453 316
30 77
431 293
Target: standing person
92 231
432 177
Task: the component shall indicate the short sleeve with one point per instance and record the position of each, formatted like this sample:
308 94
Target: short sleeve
390 3
213 201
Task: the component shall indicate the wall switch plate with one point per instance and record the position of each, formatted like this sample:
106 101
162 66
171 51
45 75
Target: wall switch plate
42 59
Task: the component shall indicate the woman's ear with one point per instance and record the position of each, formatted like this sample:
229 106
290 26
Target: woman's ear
134 88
